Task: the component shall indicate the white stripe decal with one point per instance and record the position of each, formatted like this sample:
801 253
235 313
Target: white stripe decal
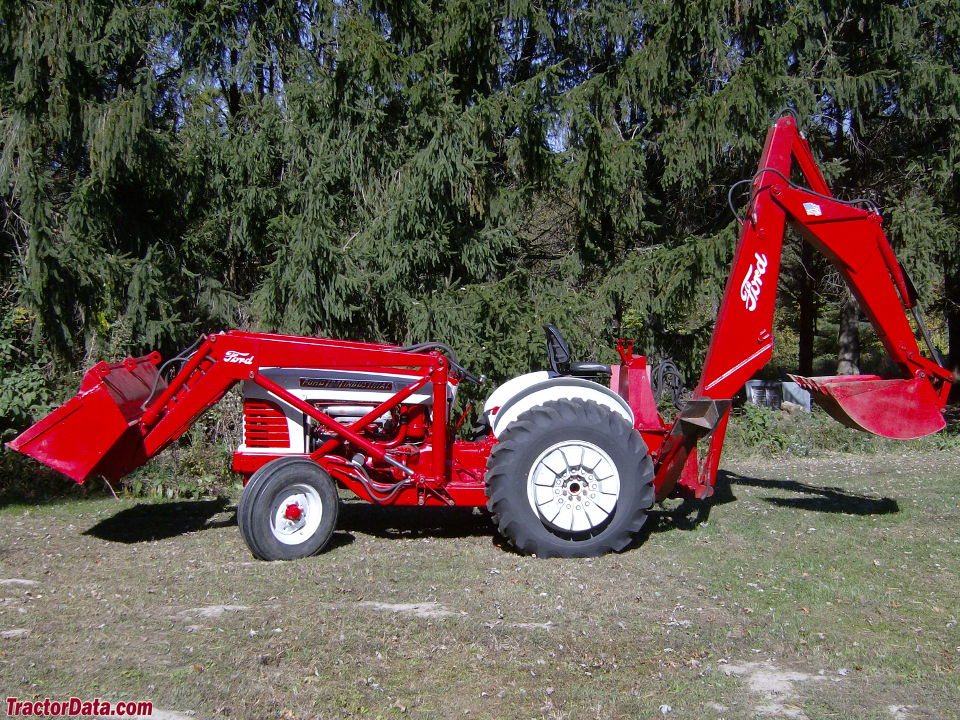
736 367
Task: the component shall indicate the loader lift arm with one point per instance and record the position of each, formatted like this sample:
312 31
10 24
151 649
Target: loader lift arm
125 413
852 238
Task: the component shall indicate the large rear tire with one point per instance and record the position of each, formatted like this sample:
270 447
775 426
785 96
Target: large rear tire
288 509
569 478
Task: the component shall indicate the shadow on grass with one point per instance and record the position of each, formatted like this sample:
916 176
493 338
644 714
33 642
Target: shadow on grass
158 521
413 522
821 498
691 513
339 539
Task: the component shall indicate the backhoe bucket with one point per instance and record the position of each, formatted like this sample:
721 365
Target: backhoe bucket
97 432
899 409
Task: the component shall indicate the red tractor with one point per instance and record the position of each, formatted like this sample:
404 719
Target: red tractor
568 466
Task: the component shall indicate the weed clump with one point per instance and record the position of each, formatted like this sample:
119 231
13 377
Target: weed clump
760 431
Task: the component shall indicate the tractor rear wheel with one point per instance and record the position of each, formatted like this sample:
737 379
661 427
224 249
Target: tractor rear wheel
288 509
569 478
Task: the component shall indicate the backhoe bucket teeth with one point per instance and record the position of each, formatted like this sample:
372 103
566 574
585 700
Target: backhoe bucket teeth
899 409
97 432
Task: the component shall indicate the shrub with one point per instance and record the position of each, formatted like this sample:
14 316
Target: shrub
755 430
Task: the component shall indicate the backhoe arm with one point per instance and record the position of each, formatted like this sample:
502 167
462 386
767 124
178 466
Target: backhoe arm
849 236
852 239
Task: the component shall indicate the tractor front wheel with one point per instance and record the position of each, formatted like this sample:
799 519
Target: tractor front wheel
569 478
288 509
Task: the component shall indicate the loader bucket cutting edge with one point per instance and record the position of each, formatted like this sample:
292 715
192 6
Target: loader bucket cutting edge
96 432
898 409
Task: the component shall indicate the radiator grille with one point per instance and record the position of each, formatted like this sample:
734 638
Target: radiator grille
264 425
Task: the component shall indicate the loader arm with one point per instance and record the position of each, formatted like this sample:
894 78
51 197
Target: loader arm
852 238
125 413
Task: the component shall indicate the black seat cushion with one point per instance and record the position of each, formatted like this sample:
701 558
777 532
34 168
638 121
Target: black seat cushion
580 369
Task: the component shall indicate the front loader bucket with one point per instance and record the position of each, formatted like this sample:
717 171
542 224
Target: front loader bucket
899 409
97 432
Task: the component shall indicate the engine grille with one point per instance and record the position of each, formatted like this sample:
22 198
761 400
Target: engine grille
264 425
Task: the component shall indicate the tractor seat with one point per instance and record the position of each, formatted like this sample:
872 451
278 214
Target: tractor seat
558 356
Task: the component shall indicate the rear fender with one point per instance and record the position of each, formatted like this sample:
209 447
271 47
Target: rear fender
518 395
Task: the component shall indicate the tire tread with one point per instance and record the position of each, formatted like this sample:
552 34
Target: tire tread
252 498
511 513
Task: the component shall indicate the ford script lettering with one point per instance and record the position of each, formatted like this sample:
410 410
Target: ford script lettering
753 282
232 356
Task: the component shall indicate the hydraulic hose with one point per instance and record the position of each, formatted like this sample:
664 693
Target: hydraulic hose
457 367
391 491
869 204
183 355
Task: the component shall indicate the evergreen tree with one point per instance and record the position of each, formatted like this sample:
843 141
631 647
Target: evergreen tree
692 87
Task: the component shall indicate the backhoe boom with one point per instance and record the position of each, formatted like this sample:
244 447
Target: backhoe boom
852 238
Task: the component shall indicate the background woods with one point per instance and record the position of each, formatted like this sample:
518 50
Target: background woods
457 171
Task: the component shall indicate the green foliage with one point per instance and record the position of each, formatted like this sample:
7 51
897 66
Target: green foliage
187 471
25 389
24 480
197 466
760 431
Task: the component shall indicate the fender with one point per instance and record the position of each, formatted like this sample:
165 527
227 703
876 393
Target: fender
521 393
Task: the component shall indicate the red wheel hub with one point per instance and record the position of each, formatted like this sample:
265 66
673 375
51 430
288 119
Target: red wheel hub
293 512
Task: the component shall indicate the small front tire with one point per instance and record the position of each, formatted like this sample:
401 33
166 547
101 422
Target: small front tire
288 509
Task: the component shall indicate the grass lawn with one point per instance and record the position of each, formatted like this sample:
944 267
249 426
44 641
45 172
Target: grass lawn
815 588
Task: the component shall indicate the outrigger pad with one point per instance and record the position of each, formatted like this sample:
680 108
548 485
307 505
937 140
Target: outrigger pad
899 409
97 432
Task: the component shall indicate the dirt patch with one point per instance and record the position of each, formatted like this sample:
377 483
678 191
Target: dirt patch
774 685
210 612
18 632
549 625
424 609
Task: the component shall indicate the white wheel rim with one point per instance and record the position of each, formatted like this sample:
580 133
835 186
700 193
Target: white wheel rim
573 486
296 514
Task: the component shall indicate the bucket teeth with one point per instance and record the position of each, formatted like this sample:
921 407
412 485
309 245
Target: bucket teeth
808 384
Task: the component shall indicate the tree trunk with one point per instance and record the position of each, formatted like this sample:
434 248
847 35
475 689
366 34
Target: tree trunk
233 92
952 311
808 311
848 339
